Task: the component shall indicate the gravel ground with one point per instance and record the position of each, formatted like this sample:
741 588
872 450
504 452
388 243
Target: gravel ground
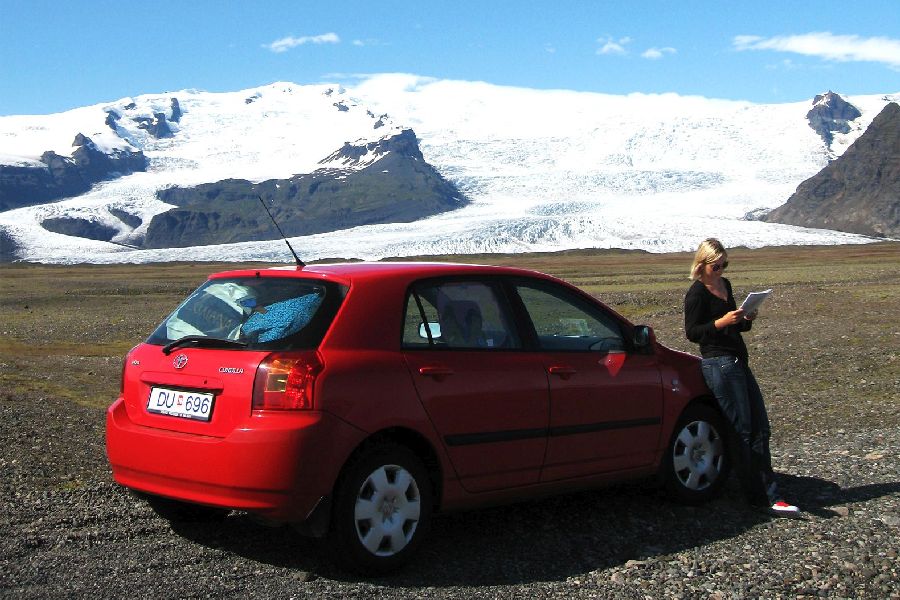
831 380
66 531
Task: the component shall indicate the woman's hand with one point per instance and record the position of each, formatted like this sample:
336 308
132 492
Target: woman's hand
730 318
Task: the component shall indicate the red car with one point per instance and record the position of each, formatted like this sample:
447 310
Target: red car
355 400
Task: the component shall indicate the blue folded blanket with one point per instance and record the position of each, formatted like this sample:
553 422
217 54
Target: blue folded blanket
282 319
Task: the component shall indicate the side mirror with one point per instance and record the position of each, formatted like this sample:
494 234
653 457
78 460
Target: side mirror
434 328
643 337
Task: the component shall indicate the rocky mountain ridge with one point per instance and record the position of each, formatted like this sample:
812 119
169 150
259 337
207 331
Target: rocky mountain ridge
60 176
393 185
859 192
352 172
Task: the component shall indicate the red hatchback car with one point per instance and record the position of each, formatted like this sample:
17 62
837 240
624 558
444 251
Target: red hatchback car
355 400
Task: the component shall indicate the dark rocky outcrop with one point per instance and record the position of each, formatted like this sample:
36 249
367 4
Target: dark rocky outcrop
9 249
158 126
399 187
403 143
858 192
176 111
63 176
112 119
129 219
82 228
831 114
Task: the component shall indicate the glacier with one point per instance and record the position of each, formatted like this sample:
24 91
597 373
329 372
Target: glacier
544 170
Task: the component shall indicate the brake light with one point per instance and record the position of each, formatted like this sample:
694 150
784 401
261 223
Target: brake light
286 381
125 362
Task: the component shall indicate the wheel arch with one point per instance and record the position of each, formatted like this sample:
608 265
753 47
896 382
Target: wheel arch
707 400
407 438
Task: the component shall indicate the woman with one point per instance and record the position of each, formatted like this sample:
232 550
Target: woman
712 320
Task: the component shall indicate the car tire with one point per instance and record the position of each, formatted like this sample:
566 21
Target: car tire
184 512
382 510
696 463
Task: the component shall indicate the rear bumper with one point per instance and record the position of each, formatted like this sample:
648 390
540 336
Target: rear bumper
276 464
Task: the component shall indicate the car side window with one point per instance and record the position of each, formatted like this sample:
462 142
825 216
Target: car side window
566 322
457 315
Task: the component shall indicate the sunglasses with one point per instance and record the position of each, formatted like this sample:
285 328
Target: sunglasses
717 267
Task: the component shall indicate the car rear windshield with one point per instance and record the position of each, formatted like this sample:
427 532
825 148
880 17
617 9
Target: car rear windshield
263 313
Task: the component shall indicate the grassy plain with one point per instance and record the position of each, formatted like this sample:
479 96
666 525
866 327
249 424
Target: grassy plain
826 347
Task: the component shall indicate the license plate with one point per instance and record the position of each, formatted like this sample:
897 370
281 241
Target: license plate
179 403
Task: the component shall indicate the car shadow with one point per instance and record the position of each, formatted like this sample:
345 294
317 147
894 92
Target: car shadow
542 540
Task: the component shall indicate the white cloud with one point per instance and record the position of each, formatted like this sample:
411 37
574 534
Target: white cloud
369 42
611 46
657 53
286 43
826 45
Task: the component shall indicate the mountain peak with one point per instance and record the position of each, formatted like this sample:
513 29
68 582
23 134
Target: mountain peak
831 114
362 153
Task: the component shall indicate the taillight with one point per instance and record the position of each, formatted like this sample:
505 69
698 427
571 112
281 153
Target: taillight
286 381
125 362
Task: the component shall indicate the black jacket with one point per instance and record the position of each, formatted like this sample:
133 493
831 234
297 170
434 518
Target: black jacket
701 309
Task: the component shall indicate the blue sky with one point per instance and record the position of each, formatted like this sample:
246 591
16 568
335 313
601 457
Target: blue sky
61 54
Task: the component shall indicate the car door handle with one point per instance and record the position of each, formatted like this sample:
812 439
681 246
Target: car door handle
436 372
564 372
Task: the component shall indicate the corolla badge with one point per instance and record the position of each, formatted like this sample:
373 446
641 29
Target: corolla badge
231 370
180 361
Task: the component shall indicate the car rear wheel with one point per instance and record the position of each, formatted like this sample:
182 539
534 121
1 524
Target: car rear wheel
382 512
696 463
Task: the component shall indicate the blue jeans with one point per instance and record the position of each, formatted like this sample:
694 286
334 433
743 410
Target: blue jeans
741 401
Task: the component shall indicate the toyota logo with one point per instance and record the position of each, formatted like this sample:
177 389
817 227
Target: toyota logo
180 361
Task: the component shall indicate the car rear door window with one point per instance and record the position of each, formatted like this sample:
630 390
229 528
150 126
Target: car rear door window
457 315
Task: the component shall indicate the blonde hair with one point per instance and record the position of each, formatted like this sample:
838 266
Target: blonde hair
710 251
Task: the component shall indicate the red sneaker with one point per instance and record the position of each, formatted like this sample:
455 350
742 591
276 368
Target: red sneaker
782 508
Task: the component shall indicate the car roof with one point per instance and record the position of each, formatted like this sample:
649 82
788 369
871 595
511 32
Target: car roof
358 271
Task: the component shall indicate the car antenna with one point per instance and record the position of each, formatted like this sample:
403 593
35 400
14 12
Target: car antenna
300 263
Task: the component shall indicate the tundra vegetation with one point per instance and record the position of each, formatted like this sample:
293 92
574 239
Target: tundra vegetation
826 350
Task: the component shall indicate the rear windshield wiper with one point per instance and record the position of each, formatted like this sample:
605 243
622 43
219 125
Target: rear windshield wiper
204 341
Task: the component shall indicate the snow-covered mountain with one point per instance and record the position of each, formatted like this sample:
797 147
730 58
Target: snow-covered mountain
542 170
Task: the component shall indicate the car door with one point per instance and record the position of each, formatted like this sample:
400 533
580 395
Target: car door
487 398
606 399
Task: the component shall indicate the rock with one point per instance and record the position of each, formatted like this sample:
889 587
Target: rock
9 249
858 192
112 118
831 114
841 511
158 126
176 111
78 227
396 186
63 176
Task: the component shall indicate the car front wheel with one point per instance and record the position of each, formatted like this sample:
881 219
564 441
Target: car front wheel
696 464
382 512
